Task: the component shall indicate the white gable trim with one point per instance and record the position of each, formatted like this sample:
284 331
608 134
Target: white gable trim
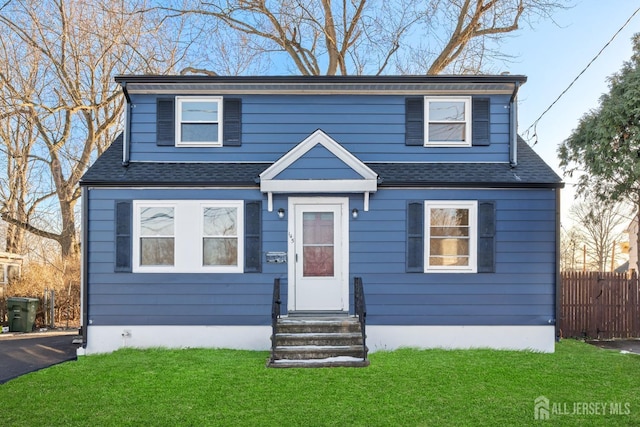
269 184
318 137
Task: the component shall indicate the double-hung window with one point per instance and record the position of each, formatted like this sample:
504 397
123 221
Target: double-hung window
157 236
188 236
447 121
199 121
220 238
451 236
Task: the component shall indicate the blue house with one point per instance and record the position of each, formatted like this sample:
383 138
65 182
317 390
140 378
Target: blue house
413 193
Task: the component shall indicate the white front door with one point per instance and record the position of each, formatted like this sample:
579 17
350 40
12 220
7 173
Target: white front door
318 254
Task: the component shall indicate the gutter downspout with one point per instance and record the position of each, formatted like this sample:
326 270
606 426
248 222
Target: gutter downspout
84 265
513 119
126 135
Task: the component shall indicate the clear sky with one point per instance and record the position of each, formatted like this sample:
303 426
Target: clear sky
553 54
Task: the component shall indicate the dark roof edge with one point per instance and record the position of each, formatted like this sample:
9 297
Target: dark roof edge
465 78
413 184
385 184
192 184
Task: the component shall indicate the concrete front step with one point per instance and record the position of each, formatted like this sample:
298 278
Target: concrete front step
320 341
306 352
292 325
330 362
319 338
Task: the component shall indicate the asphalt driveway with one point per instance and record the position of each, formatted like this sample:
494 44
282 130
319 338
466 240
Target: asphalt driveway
24 353
628 345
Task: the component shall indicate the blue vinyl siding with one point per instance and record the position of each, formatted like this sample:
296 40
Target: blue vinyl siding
370 126
520 292
318 163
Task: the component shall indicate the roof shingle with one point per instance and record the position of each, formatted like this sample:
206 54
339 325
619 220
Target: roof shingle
531 171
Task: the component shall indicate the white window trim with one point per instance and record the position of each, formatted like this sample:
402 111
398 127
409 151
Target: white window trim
188 236
472 205
178 120
467 115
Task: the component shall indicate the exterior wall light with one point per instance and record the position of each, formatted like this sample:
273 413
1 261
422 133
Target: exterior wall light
354 213
280 213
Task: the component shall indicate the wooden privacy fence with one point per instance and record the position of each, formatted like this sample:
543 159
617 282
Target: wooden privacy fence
599 305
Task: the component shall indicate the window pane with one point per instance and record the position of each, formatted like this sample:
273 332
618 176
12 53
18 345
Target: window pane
156 251
317 228
449 261
447 132
444 217
199 132
318 261
446 111
156 221
449 231
220 221
13 272
220 251
449 246
199 111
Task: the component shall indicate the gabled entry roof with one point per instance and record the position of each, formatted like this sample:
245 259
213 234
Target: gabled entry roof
337 171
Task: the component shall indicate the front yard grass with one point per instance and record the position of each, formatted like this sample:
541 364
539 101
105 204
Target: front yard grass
196 387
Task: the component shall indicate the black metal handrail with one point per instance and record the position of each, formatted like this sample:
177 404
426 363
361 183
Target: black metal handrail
361 310
275 313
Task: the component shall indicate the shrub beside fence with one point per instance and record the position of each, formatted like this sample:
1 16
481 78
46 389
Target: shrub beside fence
599 305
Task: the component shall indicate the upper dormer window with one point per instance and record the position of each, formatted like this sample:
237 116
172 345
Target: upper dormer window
447 122
199 121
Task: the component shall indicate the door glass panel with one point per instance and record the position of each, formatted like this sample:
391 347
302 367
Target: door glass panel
317 244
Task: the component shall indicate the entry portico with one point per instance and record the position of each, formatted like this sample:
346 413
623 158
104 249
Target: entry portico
318 225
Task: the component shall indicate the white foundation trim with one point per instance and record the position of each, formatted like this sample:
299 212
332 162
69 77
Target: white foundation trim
535 338
105 339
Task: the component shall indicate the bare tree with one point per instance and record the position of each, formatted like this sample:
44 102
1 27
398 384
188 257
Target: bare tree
571 244
361 36
58 60
601 225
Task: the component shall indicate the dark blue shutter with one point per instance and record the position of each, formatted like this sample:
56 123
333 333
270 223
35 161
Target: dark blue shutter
414 121
486 237
123 236
232 123
480 122
252 237
415 237
165 122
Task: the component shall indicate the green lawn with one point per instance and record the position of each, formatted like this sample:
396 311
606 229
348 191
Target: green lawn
197 387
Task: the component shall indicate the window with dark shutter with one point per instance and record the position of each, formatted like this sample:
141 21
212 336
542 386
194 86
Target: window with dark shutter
232 123
165 122
252 236
480 124
123 236
414 121
415 237
486 237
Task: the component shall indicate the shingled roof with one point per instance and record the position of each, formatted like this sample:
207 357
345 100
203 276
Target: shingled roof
531 171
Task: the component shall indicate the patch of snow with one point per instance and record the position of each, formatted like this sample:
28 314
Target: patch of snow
315 347
326 360
317 320
320 334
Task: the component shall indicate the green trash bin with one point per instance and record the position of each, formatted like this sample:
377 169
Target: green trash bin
22 313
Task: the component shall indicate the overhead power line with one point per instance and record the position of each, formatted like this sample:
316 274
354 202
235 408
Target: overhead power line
534 125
